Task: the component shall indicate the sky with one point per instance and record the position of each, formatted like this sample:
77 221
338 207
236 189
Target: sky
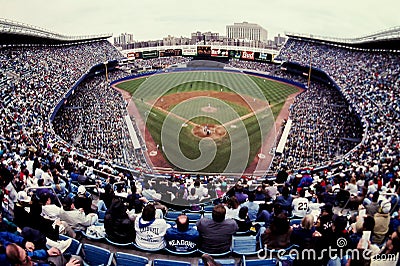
155 19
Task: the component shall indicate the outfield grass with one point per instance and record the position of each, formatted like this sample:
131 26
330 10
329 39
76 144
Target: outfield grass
253 129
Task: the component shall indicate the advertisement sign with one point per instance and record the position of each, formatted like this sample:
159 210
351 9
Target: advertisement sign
150 54
204 50
171 52
189 51
219 52
248 55
234 54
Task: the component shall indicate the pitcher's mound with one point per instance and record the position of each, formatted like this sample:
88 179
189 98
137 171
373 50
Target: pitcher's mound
209 109
209 131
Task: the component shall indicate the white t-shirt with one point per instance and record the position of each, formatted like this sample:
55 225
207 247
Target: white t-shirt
152 235
300 207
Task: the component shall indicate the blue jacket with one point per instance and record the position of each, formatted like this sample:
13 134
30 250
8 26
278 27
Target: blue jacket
181 241
7 238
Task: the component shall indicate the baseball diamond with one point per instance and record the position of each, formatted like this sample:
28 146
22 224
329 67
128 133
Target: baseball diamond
201 110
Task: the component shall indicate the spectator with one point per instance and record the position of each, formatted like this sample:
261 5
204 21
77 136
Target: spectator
277 235
285 200
300 205
252 206
216 233
119 228
232 208
75 218
182 238
243 221
150 231
382 220
82 200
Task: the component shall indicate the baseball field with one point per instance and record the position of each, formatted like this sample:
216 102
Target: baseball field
207 121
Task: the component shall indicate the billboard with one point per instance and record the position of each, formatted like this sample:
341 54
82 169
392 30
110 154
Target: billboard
219 52
263 57
170 52
150 54
234 54
248 55
131 55
189 51
204 50
134 55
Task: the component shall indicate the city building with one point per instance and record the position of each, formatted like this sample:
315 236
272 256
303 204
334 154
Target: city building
247 31
123 40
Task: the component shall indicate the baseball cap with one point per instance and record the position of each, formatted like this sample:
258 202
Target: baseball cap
385 206
81 189
22 196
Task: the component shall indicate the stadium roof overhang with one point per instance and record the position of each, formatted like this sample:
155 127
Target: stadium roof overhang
21 39
384 40
15 33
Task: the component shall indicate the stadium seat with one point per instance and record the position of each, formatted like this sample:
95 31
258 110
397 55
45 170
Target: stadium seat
180 253
208 208
123 259
207 215
94 255
172 215
244 245
259 262
161 262
117 243
75 246
295 221
223 262
193 216
223 254
145 249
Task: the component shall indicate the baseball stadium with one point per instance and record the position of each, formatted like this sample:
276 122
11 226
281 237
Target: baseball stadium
201 154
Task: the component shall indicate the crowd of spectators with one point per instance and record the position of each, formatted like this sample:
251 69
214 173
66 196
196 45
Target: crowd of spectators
93 119
323 128
159 62
32 156
252 65
369 80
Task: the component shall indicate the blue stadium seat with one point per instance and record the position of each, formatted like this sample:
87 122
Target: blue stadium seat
223 262
94 255
207 215
180 253
223 254
172 215
193 216
75 246
259 262
145 249
118 244
295 221
161 262
124 259
244 245
208 208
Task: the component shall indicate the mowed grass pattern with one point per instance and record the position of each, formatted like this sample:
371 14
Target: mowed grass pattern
148 89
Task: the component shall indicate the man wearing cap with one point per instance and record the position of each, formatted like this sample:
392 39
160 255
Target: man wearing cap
77 219
81 200
382 220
